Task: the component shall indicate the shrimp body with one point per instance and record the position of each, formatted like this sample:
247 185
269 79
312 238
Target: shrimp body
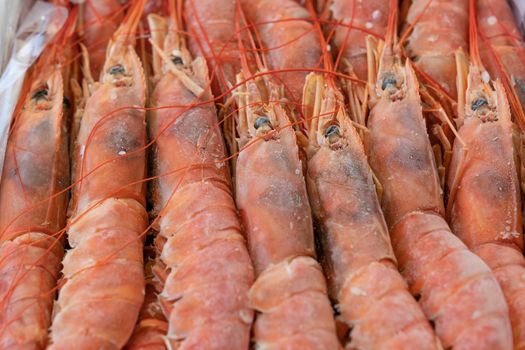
485 208
290 291
289 41
33 204
440 27
205 265
101 18
359 262
454 286
354 22
104 269
502 48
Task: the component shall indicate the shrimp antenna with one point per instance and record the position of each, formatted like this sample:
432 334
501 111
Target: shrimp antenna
66 32
260 62
391 33
473 36
125 34
386 54
327 59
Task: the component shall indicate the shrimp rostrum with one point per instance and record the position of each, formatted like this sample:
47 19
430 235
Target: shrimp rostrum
455 288
99 302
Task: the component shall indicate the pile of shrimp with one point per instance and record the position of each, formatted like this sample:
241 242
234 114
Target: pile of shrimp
268 174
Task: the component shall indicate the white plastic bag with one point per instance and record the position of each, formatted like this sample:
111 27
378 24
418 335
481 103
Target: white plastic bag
11 12
37 29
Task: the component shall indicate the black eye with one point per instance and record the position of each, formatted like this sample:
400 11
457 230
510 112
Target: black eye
40 93
478 103
331 130
389 80
65 102
261 121
177 60
116 69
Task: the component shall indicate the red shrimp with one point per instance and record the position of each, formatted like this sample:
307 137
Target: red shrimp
99 21
289 41
436 29
33 199
151 328
484 204
103 288
502 48
290 292
455 288
204 263
358 259
353 22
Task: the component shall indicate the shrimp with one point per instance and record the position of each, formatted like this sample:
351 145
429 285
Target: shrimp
436 29
354 22
103 288
455 288
289 292
100 20
204 262
502 51
33 199
502 48
213 34
491 228
211 24
288 39
359 262
431 43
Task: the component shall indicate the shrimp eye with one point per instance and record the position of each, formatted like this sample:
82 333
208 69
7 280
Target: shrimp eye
177 60
116 69
40 93
262 121
389 80
65 102
332 130
478 103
